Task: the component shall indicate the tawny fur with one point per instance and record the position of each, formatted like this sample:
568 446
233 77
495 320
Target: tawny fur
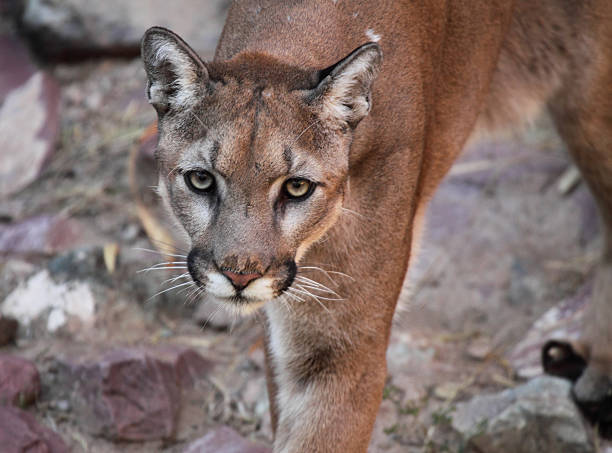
451 69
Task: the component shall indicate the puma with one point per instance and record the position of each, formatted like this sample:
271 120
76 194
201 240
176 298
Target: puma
308 149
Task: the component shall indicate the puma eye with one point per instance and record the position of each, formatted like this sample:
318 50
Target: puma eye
298 188
199 181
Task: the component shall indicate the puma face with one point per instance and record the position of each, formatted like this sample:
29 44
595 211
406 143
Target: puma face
253 158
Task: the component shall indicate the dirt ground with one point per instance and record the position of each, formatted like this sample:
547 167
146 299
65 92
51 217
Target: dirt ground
503 244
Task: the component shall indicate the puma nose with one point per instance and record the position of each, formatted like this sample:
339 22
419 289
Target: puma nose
240 280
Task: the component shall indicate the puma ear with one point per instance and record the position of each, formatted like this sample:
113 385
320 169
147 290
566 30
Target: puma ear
177 77
343 89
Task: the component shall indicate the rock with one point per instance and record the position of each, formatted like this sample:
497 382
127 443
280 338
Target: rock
188 365
127 396
535 417
480 348
20 433
41 294
78 264
42 234
447 390
16 65
224 440
414 390
385 426
402 354
72 29
8 330
19 381
132 394
525 288
13 271
562 321
57 319
62 405
411 364
31 109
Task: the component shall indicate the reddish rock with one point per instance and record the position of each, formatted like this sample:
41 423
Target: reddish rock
21 433
189 366
128 395
32 109
225 440
19 381
40 234
8 330
134 394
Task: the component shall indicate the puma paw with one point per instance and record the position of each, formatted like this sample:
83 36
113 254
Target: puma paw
592 390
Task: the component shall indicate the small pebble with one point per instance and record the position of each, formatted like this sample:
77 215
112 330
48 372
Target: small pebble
62 405
480 348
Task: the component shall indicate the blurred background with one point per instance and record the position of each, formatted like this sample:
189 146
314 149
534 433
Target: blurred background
98 355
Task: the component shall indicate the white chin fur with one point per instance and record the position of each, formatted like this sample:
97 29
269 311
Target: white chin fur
260 289
236 309
257 293
219 286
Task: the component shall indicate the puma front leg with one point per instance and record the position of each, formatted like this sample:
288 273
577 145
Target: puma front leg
328 382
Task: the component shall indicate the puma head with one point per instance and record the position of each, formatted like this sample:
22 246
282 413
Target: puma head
253 158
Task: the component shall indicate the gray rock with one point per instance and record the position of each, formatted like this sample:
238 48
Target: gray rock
525 289
73 29
535 417
563 322
81 263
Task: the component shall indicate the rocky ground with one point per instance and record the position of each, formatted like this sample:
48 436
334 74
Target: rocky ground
92 358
